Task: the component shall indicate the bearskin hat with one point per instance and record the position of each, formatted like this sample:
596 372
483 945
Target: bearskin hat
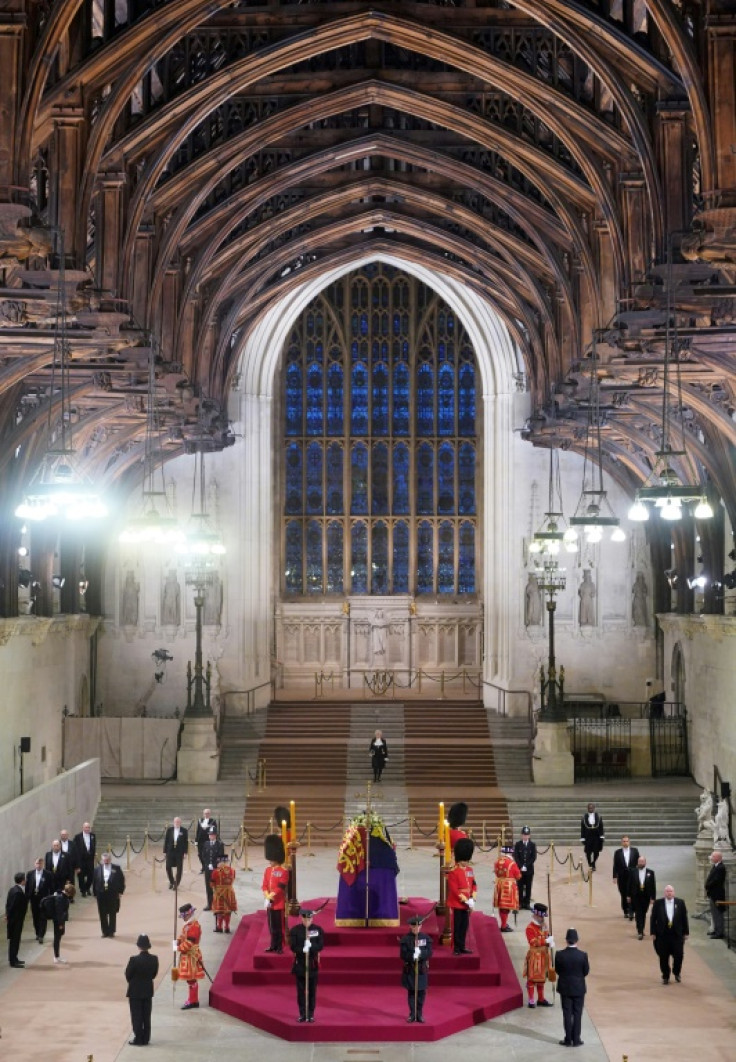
273 848
457 815
464 849
281 815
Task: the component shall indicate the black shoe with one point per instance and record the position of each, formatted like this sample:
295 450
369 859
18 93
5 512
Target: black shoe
565 1043
421 1021
410 1020
665 980
578 1043
310 1020
300 1020
40 940
506 929
544 1003
135 1043
206 908
217 929
19 965
716 936
190 1006
531 1005
227 931
171 885
678 978
277 951
266 950
641 936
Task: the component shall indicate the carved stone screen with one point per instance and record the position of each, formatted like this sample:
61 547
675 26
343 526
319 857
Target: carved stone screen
380 443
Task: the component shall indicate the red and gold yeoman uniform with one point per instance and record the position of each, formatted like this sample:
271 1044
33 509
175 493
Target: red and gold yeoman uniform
538 959
223 893
190 960
506 892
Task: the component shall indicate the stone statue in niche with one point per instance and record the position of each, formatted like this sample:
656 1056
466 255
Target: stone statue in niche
719 825
212 602
586 593
532 602
171 601
704 811
639 592
129 601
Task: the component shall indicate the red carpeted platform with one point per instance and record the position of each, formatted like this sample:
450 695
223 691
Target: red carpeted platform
359 997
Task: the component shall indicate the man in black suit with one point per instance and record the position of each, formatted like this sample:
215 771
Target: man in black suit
715 890
572 968
202 834
140 973
59 865
212 852
642 892
85 847
16 905
306 941
525 856
176 844
670 928
592 835
108 885
39 884
624 861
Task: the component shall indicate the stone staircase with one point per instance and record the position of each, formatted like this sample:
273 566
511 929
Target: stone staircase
119 816
648 820
389 798
510 738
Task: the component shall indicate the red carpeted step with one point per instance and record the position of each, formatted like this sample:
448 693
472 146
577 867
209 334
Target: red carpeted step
259 988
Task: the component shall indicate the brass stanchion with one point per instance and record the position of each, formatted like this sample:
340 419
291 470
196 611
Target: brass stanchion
153 874
442 685
552 859
127 852
309 840
440 908
590 888
145 843
569 865
293 902
419 680
446 937
245 849
109 848
411 833
484 842
503 835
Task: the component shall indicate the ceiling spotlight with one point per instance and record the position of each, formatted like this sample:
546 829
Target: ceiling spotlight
22 551
703 510
671 509
638 511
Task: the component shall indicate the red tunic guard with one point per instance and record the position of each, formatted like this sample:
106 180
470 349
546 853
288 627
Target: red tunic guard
191 969
538 959
461 892
506 892
224 902
275 888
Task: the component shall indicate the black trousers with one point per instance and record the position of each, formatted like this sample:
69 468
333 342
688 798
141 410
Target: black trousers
572 1017
669 948
276 928
14 936
623 889
460 922
641 906
58 934
140 1019
39 918
306 1006
421 996
591 854
84 878
174 865
525 888
107 906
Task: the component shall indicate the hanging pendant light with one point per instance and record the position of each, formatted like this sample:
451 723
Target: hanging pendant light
202 540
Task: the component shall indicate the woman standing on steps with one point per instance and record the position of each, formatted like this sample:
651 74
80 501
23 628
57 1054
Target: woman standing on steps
379 755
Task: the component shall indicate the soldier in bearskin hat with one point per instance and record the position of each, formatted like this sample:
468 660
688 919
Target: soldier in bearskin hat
461 891
275 887
506 892
456 818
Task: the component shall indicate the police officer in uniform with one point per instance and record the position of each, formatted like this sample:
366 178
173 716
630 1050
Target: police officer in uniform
525 856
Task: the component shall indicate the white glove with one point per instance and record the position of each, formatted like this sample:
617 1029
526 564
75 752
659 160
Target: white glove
523 870
471 903
267 903
551 941
176 945
209 867
417 953
307 946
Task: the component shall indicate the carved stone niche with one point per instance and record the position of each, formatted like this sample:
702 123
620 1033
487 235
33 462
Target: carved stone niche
714 240
17 240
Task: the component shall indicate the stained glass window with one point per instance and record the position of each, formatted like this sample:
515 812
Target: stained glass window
379 442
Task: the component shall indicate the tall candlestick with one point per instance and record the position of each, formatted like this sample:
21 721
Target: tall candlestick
284 835
448 850
292 808
441 824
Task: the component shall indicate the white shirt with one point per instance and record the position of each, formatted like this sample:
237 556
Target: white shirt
669 906
106 871
591 818
55 859
176 835
87 840
642 875
38 877
627 855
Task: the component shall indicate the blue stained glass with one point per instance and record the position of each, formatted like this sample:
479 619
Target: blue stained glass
379 480
425 479
446 479
401 479
294 486
466 479
314 557
425 559
466 559
293 558
400 418
401 558
315 388
314 478
446 400
359 480
334 500
379 558
425 400
379 413
364 324
359 558
397 324
335 554
446 559
466 400
335 416
294 400
359 400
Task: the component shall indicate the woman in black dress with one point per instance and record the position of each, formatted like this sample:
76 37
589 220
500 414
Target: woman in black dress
379 755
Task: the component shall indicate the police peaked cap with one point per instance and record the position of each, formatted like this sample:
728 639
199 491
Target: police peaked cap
457 815
464 849
273 848
525 831
282 815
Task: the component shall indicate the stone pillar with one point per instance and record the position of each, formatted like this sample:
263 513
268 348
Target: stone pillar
198 759
11 39
66 177
109 232
636 225
552 761
606 271
168 314
673 154
720 29
140 282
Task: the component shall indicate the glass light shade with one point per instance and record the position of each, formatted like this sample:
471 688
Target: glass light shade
671 510
58 489
703 510
638 511
618 535
535 546
593 533
553 548
570 535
